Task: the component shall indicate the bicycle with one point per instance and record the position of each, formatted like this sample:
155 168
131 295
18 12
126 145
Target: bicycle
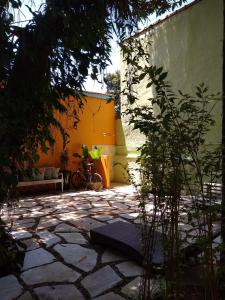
85 178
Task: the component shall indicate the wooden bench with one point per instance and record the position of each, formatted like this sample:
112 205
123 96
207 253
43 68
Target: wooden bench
45 181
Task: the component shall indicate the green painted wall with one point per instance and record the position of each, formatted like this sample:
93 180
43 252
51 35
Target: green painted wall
189 46
120 158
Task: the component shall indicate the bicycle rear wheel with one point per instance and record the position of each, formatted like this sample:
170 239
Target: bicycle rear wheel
96 182
77 181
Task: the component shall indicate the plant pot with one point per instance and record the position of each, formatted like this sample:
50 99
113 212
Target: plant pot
66 178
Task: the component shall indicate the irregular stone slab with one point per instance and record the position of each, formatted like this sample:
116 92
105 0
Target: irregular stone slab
63 227
8 219
26 296
130 216
131 196
35 208
112 255
119 205
55 272
27 203
19 211
109 197
72 216
50 204
48 210
62 292
48 238
78 256
101 204
132 288
30 244
9 287
130 269
119 198
17 227
36 258
131 204
86 223
92 198
46 222
102 217
59 206
117 220
125 189
109 296
24 221
73 237
21 234
100 281
34 214
100 210
82 205
61 211
126 238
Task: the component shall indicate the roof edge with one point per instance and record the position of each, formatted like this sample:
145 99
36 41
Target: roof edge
97 95
159 22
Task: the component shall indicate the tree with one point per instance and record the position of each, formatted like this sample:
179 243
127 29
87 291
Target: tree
174 160
47 59
112 81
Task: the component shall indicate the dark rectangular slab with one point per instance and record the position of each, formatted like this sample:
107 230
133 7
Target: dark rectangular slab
126 238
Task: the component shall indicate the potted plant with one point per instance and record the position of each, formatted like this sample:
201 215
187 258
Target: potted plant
95 155
89 156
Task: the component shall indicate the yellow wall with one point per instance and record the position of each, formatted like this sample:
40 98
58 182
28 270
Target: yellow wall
96 127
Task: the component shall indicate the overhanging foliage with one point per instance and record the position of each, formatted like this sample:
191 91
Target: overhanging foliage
48 58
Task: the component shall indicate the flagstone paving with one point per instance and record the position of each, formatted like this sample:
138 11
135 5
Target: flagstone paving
9 287
59 261
37 258
101 281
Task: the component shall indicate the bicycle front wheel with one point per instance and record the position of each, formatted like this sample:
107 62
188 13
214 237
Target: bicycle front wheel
77 180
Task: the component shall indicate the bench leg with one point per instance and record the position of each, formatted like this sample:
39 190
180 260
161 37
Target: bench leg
62 186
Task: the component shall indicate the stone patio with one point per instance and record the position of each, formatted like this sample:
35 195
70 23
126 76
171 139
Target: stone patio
60 263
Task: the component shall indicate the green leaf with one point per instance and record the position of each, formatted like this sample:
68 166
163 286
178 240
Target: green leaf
149 84
142 76
96 153
162 76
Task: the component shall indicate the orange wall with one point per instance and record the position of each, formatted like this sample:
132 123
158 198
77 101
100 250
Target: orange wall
96 127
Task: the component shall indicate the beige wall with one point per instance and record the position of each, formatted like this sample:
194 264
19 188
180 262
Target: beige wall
189 46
